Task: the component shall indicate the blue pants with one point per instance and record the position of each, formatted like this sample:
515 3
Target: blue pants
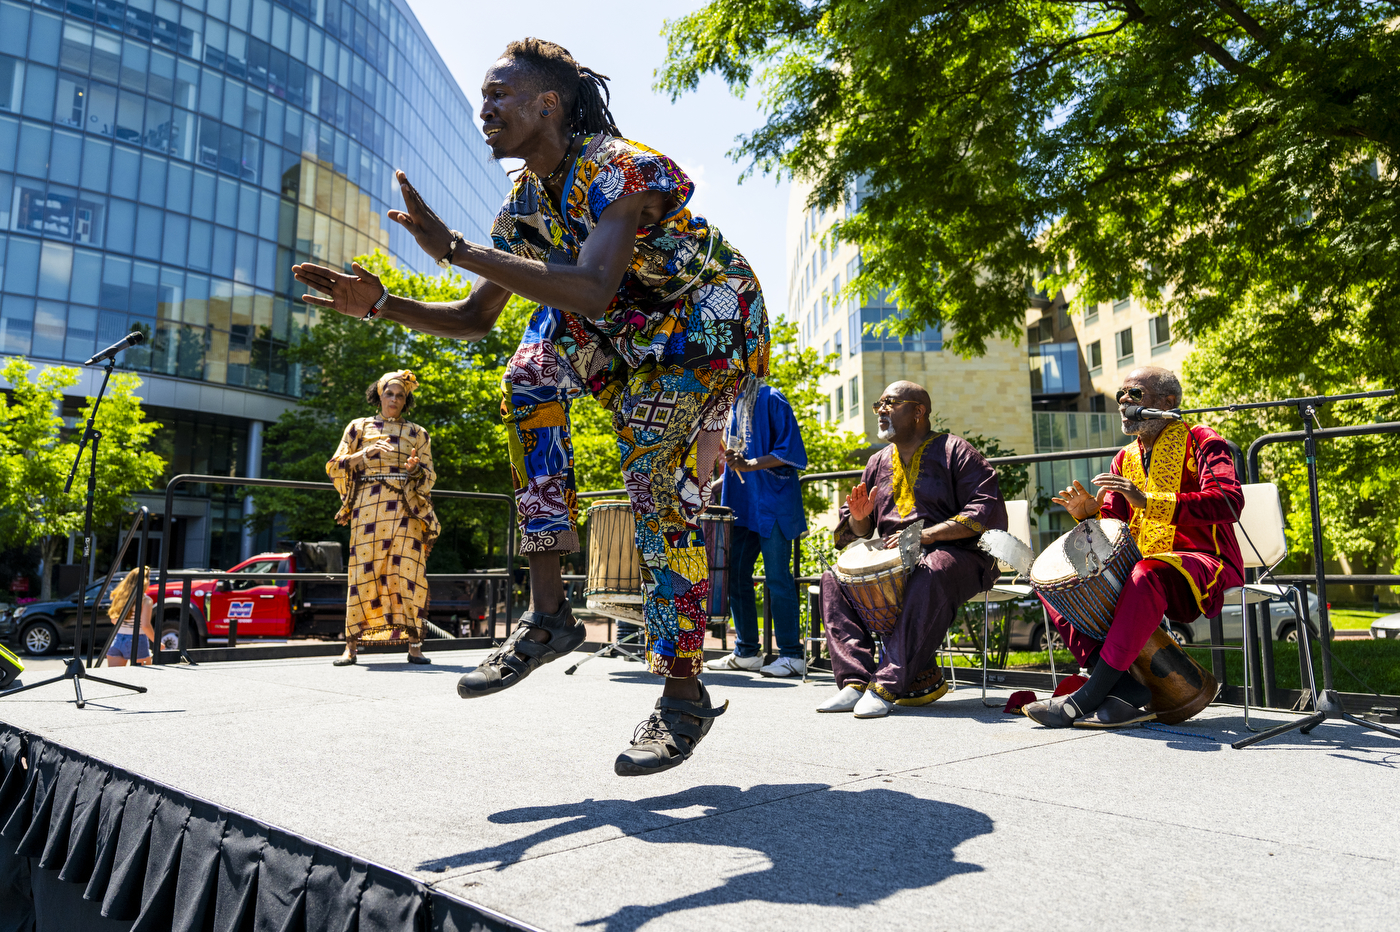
782 592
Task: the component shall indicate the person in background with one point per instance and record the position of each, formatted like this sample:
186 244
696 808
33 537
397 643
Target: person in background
383 471
944 482
120 651
760 486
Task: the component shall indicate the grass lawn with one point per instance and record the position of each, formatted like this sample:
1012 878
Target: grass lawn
1377 663
1034 660
1354 619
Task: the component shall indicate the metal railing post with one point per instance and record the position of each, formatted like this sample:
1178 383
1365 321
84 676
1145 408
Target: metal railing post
184 636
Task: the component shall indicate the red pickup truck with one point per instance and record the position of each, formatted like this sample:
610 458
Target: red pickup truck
295 608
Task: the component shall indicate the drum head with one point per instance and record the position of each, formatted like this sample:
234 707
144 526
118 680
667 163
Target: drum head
1079 553
866 557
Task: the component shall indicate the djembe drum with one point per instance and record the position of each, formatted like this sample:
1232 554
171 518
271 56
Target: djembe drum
1081 575
873 578
614 565
717 526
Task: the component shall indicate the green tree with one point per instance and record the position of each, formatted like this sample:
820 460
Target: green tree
1358 477
35 459
458 403
797 373
1202 154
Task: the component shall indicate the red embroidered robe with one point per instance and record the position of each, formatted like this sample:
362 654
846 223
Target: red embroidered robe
1187 523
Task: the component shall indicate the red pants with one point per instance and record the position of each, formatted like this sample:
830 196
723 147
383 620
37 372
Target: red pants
1155 589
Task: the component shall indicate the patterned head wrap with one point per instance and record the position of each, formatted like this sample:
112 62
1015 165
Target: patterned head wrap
403 376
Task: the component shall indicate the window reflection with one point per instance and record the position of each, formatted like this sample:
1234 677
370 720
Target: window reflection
179 142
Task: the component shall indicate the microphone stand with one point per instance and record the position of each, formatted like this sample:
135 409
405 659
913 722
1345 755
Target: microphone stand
1327 703
75 669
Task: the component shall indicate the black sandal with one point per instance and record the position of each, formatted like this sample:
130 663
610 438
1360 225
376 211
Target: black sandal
669 736
520 656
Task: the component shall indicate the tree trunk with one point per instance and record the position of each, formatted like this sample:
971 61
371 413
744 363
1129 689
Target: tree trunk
48 556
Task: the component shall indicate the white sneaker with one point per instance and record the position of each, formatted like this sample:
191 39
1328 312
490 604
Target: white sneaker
844 701
872 706
785 666
735 662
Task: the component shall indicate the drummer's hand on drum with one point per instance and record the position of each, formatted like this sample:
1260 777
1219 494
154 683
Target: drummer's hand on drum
1110 482
1078 502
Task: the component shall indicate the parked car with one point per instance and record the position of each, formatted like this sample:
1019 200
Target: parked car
1386 627
312 608
1283 621
46 627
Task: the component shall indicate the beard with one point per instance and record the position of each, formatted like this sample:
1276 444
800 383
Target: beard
886 433
1145 429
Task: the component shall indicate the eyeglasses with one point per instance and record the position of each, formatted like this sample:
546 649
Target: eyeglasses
1133 393
889 404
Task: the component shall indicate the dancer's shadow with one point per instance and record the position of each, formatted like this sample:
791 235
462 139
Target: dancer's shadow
842 848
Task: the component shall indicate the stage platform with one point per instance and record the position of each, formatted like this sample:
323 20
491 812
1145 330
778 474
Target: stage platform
949 817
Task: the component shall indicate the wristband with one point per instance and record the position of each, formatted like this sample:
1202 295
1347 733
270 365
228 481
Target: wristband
378 305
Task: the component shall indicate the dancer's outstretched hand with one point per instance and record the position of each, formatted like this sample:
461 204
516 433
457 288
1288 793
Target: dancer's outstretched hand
418 219
352 295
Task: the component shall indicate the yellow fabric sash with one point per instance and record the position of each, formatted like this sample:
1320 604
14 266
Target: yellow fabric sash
1152 526
903 481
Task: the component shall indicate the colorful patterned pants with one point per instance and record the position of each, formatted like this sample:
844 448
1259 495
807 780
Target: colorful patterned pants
669 422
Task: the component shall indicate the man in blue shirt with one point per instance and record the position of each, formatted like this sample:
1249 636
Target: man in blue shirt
760 485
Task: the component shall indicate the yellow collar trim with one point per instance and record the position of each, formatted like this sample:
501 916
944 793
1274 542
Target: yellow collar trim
904 481
1152 526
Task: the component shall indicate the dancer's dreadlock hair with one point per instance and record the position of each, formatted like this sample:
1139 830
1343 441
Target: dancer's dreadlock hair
583 91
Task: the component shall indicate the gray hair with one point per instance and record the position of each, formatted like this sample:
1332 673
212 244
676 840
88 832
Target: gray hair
1161 381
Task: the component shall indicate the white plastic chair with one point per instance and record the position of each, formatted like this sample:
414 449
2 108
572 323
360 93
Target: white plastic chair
1261 522
1018 524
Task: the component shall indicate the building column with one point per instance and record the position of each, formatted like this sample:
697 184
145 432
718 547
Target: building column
253 471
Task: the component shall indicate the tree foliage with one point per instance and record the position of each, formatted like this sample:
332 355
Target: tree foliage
1359 477
459 403
797 373
1202 154
35 459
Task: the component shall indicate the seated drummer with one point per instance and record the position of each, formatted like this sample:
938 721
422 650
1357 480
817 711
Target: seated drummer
943 481
1183 528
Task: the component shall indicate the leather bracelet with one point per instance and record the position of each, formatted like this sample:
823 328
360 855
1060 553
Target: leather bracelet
378 305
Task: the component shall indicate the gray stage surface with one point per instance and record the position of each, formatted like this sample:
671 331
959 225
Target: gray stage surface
949 817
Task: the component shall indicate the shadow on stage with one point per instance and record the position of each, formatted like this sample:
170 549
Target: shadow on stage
811 843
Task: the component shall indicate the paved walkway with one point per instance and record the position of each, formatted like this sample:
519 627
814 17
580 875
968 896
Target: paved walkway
949 817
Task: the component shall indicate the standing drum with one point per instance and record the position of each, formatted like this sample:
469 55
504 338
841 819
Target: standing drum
614 564
1180 686
874 579
1081 574
717 525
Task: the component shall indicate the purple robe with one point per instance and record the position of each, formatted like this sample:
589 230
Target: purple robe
955 482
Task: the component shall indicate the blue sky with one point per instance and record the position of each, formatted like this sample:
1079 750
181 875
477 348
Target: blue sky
622 39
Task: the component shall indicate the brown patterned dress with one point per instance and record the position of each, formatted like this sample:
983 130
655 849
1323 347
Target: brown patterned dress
392 528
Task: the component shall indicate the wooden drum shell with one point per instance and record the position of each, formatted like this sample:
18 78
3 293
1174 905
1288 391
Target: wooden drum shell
614 563
1180 686
877 597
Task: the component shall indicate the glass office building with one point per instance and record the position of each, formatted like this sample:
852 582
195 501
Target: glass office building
163 165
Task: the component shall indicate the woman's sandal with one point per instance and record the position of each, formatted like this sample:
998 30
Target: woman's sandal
669 736
520 656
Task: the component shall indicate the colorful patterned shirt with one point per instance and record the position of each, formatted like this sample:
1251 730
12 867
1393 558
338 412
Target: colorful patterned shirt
688 299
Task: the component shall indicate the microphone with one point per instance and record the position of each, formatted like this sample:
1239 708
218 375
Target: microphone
1139 413
133 338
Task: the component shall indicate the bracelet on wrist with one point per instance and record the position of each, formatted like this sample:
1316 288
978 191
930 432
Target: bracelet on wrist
378 305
